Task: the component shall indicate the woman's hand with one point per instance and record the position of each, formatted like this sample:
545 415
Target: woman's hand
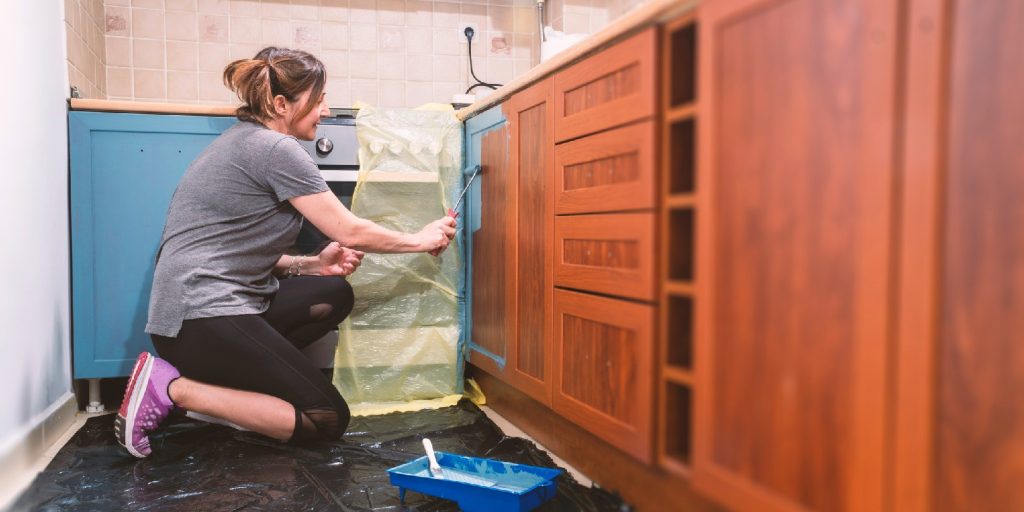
336 260
434 237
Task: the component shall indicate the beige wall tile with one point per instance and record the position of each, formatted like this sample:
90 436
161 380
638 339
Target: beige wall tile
179 5
498 44
364 37
418 93
499 71
182 55
524 20
118 51
339 94
522 66
147 23
305 10
119 82
148 54
214 6
181 26
306 35
446 68
276 32
362 64
391 66
246 8
150 4
244 30
419 40
362 11
392 93
391 12
335 36
117 2
500 18
213 28
576 23
443 91
476 14
149 84
392 39
446 14
211 88
419 13
243 51
446 42
336 63
419 67
275 9
365 90
118 21
213 57
182 85
334 10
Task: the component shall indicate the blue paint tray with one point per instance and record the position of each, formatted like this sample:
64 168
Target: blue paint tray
478 484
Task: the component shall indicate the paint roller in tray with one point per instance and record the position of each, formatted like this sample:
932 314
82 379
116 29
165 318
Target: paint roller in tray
452 474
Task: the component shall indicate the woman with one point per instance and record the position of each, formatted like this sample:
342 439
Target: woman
227 331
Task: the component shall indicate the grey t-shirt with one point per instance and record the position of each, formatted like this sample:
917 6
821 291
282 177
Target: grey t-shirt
228 224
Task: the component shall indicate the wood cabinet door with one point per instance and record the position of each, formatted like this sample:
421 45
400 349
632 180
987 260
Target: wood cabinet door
609 253
604 368
795 216
490 224
530 122
960 419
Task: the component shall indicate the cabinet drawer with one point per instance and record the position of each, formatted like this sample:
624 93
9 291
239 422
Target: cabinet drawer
608 253
608 89
604 368
608 171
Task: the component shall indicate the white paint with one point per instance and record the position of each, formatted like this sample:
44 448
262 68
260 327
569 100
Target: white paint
35 360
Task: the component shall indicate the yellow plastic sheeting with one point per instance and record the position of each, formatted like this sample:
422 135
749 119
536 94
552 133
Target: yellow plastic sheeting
399 347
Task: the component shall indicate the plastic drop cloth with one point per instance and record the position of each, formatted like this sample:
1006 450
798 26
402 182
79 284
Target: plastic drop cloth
399 348
198 467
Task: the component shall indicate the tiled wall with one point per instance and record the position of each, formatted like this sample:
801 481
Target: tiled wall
83 24
390 53
587 16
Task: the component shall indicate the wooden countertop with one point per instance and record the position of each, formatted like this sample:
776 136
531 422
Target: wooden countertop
653 12
144 107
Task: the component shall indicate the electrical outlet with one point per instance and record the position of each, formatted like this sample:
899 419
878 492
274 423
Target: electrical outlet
462 31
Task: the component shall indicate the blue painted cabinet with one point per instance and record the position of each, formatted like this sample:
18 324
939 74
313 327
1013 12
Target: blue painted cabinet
124 169
489 226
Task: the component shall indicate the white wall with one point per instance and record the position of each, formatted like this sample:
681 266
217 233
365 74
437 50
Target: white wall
35 360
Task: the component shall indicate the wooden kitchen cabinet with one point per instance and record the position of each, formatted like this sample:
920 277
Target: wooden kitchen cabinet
793 278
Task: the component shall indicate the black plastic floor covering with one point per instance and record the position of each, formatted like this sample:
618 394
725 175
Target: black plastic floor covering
201 467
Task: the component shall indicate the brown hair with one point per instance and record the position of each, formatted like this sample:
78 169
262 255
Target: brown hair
274 71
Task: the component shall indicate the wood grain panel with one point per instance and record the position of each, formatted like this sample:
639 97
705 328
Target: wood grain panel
605 172
625 265
493 288
531 120
980 436
611 88
604 376
793 261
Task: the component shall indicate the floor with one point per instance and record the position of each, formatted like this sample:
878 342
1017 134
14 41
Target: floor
14 486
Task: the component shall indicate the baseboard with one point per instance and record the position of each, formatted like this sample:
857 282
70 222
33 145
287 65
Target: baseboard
21 456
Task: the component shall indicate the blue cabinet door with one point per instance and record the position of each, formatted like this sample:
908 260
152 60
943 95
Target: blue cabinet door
490 289
124 169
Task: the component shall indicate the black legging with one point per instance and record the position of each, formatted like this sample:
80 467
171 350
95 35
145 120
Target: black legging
261 353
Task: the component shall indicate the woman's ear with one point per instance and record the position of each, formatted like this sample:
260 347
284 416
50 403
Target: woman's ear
280 105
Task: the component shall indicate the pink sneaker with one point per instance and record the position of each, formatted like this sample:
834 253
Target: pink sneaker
146 403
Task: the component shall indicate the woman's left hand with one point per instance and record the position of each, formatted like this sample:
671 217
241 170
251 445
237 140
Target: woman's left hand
336 260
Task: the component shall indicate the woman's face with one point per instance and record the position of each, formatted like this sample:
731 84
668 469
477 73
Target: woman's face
304 128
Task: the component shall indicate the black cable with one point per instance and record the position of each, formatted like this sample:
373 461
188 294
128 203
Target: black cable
479 83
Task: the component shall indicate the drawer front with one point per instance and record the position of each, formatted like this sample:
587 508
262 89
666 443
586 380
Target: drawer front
608 89
604 368
606 172
607 253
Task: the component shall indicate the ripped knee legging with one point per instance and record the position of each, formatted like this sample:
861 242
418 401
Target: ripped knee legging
261 353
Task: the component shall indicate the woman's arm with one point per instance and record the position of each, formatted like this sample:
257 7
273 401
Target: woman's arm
331 217
333 260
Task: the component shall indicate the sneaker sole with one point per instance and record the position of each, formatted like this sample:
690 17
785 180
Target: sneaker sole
125 425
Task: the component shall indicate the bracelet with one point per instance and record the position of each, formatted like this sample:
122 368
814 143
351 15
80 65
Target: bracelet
295 269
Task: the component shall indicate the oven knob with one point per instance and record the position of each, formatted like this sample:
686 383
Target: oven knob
324 146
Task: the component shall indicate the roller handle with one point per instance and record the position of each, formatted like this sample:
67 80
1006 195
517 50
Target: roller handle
435 468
